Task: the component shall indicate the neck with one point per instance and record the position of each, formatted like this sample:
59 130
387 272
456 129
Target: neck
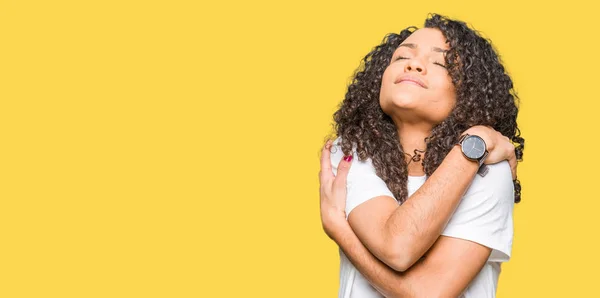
412 137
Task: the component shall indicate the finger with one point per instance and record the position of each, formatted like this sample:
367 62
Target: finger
326 172
513 166
342 173
512 160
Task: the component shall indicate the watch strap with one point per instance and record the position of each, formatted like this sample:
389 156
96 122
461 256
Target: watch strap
483 170
462 138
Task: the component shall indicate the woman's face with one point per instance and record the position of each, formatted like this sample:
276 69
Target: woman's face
416 87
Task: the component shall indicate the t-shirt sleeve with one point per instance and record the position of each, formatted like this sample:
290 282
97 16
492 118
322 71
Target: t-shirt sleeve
485 212
362 183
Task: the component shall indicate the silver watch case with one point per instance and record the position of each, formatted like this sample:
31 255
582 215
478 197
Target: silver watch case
473 147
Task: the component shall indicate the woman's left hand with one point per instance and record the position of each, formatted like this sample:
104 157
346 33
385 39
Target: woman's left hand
333 191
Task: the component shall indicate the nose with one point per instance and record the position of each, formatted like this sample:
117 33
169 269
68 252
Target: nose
415 65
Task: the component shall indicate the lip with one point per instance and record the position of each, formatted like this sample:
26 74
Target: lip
412 79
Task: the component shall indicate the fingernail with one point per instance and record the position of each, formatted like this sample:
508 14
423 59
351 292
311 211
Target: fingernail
348 158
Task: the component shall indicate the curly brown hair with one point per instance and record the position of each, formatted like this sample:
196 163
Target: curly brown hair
484 96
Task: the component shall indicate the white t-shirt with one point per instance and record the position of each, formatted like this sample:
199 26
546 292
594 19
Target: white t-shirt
484 216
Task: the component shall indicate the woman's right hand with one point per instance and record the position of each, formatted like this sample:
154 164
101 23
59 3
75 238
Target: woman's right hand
500 147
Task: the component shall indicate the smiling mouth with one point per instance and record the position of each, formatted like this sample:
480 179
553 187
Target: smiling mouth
411 81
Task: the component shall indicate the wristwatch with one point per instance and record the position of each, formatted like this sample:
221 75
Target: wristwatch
473 148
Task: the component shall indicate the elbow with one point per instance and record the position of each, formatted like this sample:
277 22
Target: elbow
400 257
399 264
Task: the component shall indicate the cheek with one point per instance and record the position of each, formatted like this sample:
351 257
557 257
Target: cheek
387 77
386 81
446 89
446 94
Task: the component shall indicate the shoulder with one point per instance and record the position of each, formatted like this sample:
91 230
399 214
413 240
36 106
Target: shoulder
498 181
358 167
362 183
489 198
336 152
484 215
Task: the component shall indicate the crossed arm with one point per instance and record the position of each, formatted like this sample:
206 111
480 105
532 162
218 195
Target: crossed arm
445 271
386 242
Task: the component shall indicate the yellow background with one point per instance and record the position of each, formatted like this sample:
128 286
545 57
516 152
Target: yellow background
170 148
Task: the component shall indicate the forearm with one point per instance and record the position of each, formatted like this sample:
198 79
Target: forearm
446 271
388 282
415 225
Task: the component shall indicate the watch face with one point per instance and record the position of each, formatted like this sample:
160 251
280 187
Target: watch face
473 147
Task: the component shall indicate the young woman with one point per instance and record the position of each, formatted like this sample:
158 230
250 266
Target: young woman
425 210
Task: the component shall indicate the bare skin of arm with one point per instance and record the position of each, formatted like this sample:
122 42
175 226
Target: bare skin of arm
445 271
450 264
400 235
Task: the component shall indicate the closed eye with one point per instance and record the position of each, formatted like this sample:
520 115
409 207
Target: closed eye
440 64
403 58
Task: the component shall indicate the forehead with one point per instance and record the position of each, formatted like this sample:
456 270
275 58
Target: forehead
427 38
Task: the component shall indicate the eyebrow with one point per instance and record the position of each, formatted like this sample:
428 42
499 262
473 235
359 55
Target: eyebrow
414 46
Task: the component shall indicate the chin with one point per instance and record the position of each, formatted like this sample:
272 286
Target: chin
406 106
404 100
